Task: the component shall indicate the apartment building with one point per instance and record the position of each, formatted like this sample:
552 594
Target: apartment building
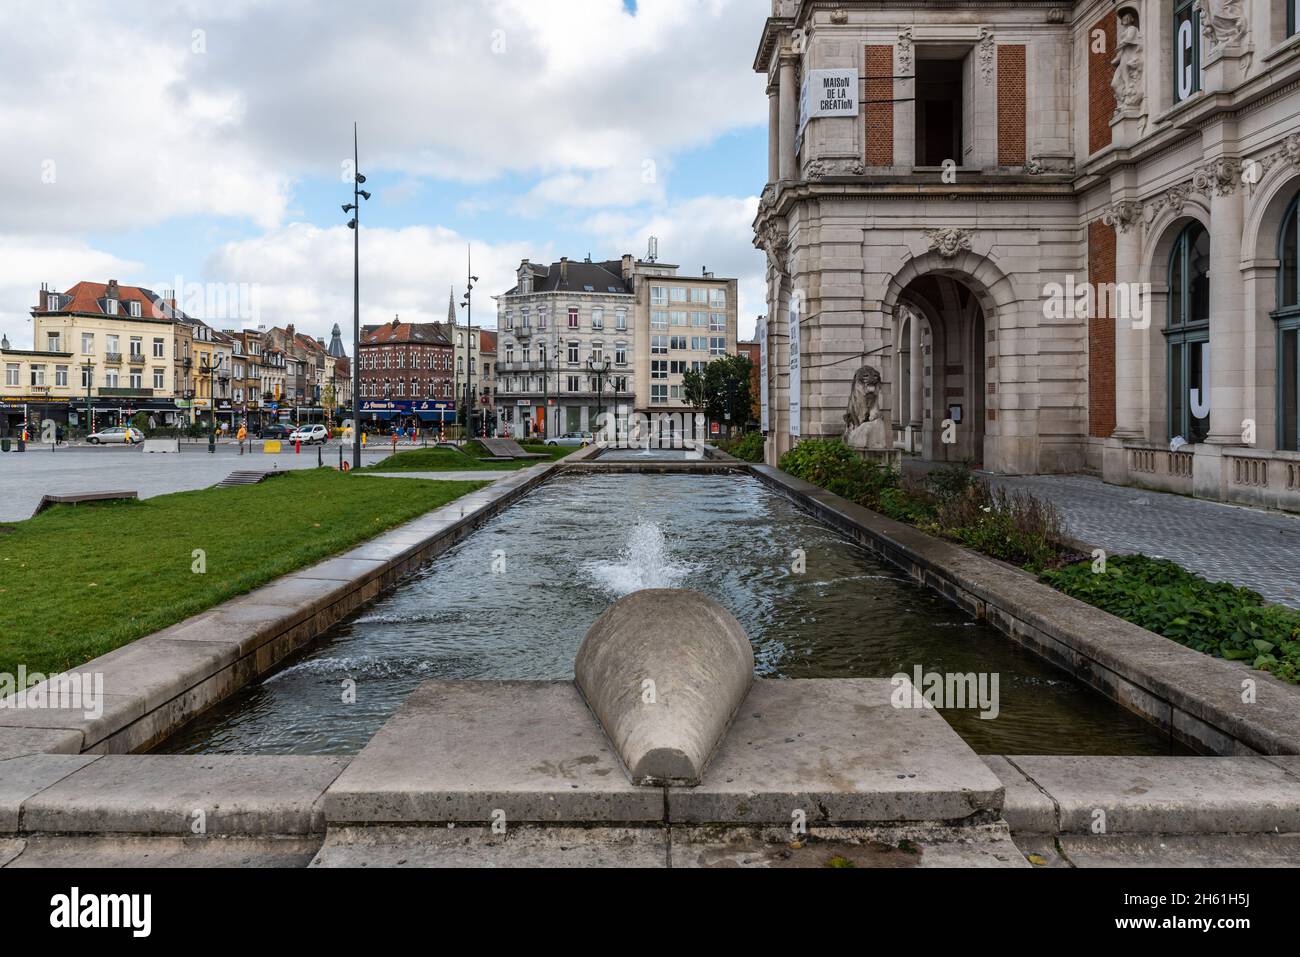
406 372
105 345
1013 212
691 322
579 338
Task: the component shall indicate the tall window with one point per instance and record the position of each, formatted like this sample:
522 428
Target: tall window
1292 17
1188 335
1187 49
1287 318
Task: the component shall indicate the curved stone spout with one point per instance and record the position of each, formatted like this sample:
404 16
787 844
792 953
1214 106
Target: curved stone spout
664 671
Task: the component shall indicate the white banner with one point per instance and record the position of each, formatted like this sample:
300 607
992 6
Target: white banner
795 381
827 93
762 374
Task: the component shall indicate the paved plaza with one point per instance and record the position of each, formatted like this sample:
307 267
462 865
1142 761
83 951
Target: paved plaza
26 477
1251 547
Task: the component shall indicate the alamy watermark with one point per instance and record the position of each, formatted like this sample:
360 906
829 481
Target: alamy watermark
72 691
1122 301
948 691
659 430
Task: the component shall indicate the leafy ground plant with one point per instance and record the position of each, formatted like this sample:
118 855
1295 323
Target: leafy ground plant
1213 617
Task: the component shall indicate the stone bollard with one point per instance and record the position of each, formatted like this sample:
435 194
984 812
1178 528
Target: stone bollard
664 672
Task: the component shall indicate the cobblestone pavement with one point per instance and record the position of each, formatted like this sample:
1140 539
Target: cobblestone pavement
25 477
1246 546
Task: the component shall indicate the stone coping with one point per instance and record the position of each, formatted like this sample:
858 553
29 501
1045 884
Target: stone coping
1193 696
835 752
154 685
1150 795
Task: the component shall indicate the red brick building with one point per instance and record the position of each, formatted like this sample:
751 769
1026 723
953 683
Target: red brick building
403 361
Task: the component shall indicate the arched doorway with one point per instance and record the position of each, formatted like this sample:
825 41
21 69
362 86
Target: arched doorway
951 341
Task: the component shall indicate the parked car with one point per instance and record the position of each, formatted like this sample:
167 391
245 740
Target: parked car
122 435
276 432
310 435
572 438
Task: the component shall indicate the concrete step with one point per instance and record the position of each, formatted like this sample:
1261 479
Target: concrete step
988 846
1150 795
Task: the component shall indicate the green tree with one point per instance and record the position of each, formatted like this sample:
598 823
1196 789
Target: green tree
696 390
727 391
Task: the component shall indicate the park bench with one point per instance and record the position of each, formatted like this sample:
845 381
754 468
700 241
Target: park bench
81 498
509 449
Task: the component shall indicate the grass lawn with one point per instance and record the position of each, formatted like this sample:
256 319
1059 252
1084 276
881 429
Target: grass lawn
449 460
76 583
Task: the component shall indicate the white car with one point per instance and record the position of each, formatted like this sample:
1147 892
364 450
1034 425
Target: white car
122 435
310 435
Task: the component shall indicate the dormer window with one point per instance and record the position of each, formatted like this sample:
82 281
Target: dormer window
110 306
52 302
135 308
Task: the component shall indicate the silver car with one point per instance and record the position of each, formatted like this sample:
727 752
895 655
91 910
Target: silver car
572 438
122 435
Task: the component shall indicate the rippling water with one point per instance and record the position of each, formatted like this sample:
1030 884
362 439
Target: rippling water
580 542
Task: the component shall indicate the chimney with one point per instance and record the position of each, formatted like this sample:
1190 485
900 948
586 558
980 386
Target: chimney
627 267
288 332
564 269
112 289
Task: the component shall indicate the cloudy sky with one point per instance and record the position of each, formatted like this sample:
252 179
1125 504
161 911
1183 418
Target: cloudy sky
204 141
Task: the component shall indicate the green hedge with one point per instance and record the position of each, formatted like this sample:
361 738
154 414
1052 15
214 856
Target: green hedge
1214 617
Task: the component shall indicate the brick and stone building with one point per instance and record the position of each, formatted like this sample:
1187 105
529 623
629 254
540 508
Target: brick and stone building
1064 233
406 372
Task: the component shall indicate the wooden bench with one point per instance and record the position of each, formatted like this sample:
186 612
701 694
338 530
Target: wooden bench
49 501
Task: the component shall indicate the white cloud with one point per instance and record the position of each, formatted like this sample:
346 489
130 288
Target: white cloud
25 264
142 127
708 231
303 275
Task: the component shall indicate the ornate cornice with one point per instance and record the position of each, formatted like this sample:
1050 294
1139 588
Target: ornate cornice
1289 152
1219 177
1123 215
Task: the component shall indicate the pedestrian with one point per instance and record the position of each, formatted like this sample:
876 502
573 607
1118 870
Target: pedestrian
243 435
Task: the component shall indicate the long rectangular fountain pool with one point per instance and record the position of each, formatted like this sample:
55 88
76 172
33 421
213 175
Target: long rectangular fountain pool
514 600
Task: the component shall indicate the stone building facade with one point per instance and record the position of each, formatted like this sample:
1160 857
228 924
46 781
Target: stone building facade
1064 233
640 317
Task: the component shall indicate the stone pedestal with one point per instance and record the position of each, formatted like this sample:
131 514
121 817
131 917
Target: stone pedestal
1114 462
886 458
1126 127
1207 473
1225 68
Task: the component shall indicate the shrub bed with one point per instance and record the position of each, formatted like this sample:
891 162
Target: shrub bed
952 502
1214 617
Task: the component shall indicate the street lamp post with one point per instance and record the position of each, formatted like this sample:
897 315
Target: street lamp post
468 305
600 371
354 224
88 368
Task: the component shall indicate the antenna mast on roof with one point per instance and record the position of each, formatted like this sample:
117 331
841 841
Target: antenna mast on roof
652 254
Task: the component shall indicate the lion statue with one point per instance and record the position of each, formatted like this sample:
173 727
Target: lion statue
864 426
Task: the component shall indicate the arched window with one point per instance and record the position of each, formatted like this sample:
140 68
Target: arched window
1287 317
1188 335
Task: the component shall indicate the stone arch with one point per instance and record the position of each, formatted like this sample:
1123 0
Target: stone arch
1261 265
1161 234
958 340
1264 212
